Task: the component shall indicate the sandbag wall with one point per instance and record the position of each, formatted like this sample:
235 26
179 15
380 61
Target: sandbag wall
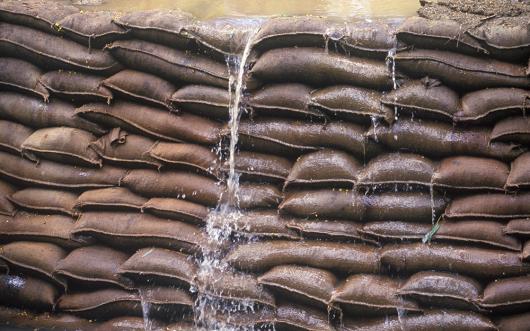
383 171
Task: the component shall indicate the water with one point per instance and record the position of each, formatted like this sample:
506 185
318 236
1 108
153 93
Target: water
145 309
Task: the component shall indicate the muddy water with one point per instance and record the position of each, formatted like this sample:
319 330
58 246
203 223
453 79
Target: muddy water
205 9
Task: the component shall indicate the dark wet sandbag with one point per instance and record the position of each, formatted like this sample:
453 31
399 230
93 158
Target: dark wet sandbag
507 295
169 63
136 230
288 137
141 86
110 198
519 172
53 52
6 207
173 184
75 86
254 195
467 172
166 303
394 230
461 71
317 67
101 303
4 268
493 104
323 168
38 14
160 266
203 100
45 200
178 209
14 317
438 139
332 230
62 144
92 29
21 76
518 227
512 129
125 149
356 104
154 122
35 113
425 98
342 257
525 254
58 175
12 135
474 262
442 289
93 265
260 167
291 316
27 292
284 100
406 206
514 322
365 294
495 205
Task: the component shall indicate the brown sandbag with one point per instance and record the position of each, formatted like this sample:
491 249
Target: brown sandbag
21 76
260 167
169 63
396 168
203 100
395 230
129 323
38 14
101 303
23 226
324 203
442 289
438 139
475 262
405 206
45 200
110 198
160 266
495 205
253 195
142 87
12 135
507 295
134 230
287 100
136 118
173 184
332 230
35 113
306 285
76 86
27 292
93 29
62 144
166 303
356 104
93 265
518 227
512 129
261 256
525 254
317 67
178 209
298 317
4 268
126 149
468 172
514 322
58 175
53 52
288 137
6 207
493 104
425 98
519 172
323 168
13 317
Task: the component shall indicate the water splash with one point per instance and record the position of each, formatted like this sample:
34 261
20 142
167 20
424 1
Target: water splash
148 323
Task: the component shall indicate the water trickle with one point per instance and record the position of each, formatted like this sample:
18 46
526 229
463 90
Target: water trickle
374 126
433 211
145 309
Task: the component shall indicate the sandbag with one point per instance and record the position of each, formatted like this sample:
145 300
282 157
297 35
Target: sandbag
92 265
169 63
512 129
383 231
62 144
173 184
136 118
261 256
507 295
160 266
324 203
514 322
327 167
474 262
203 100
135 230
142 87
166 303
37 14
13 317
58 175
519 172
53 52
27 292
425 98
129 323
12 135
406 206
442 289
525 254
35 113
6 207
438 139
45 200
467 172
292 316
125 149
101 303
178 209
260 167
518 227
317 67
252 195
495 205
493 104
76 86
332 230
21 76
110 198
